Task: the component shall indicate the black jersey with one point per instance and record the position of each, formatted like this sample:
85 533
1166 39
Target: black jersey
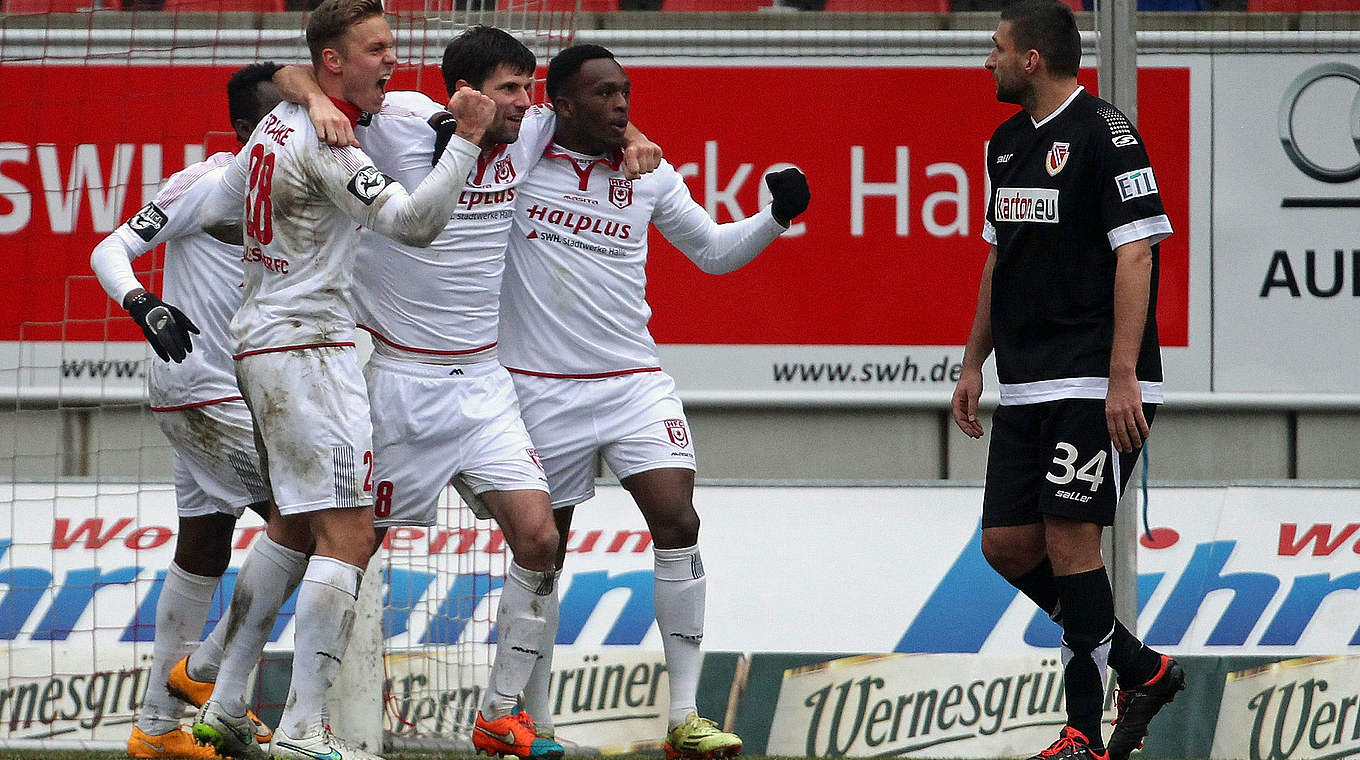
1065 194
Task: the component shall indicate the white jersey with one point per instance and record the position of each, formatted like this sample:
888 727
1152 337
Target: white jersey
202 278
444 300
303 204
576 282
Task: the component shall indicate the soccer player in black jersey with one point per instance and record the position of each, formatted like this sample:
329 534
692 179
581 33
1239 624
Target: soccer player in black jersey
1068 301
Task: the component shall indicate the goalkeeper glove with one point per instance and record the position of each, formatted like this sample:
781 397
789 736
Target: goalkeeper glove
789 189
165 327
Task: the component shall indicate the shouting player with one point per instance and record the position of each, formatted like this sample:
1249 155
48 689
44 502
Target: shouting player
198 407
443 406
574 336
1068 300
297 367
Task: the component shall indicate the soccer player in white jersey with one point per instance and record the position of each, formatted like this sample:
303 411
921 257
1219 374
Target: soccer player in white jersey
297 368
197 405
574 337
443 406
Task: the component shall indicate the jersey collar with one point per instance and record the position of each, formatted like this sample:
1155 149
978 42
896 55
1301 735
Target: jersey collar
1059 109
485 159
350 110
583 164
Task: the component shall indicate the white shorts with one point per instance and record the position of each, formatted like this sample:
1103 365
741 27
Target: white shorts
216 467
434 421
313 434
635 421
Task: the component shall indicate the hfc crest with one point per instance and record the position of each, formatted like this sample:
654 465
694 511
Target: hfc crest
1057 158
621 195
533 454
677 432
505 170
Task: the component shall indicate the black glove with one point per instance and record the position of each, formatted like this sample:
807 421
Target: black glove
165 327
789 189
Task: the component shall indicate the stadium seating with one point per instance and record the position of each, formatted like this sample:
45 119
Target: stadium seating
56 6
716 5
589 6
1296 6
214 6
879 6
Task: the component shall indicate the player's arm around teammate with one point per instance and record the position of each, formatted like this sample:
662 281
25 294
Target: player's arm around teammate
298 85
297 367
574 337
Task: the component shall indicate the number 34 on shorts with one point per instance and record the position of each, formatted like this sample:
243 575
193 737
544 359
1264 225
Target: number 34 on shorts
1067 470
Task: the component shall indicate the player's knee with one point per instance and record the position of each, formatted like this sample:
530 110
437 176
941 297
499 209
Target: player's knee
538 547
365 543
1074 551
207 564
1009 558
676 527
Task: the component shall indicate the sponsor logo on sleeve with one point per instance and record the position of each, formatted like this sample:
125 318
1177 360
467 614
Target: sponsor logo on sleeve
368 183
1057 158
1026 204
1136 184
1124 141
148 222
621 192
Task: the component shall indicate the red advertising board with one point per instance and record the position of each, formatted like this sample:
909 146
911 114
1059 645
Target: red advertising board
889 252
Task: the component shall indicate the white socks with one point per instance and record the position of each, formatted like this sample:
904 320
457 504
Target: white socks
679 592
325 616
181 613
204 661
520 626
267 577
537 699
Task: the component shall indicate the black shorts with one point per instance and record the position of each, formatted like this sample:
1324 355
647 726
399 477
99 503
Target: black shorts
1054 458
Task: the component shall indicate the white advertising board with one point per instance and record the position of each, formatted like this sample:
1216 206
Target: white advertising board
1286 223
920 705
844 570
1303 709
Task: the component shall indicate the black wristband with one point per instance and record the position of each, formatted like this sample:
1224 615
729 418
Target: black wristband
444 125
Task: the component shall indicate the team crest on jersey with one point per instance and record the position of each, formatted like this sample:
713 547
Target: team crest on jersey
533 454
1057 158
621 192
368 183
677 432
147 222
505 170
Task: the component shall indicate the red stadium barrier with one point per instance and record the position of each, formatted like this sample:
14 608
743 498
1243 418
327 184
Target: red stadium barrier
57 6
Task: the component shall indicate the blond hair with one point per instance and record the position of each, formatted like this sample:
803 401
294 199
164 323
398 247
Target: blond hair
332 19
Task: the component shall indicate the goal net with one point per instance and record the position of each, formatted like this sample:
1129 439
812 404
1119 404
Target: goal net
108 98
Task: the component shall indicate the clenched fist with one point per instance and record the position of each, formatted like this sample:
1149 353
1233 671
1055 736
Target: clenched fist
789 191
474 112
